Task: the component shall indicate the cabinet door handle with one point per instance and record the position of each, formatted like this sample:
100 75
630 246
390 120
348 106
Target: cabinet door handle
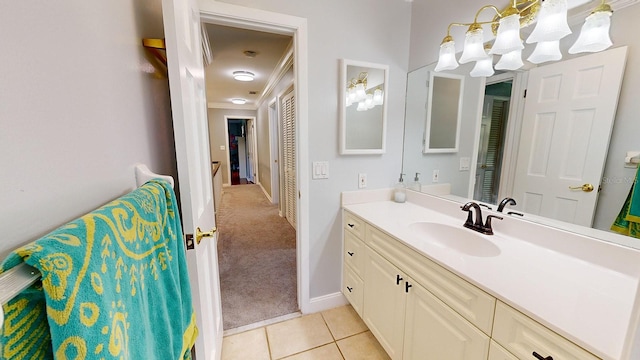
351 289
350 253
407 286
539 357
398 279
351 225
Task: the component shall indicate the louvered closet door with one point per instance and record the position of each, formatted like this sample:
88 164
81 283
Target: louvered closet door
288 127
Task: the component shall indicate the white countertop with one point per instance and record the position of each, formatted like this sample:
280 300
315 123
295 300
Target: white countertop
588 296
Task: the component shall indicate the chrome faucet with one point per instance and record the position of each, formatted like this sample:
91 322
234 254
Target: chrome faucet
477 225
504 203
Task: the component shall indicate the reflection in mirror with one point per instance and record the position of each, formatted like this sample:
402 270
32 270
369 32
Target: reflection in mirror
444 107
363 119
456 169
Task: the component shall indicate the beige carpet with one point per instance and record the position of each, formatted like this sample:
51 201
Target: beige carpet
257 258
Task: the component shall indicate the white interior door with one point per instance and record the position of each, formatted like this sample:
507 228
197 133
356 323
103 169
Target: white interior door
567 122
188 103
252 169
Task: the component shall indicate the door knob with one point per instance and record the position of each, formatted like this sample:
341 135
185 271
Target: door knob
584 187
200 234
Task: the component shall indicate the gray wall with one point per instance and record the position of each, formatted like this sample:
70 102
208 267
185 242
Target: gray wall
366 30
218 136
80 105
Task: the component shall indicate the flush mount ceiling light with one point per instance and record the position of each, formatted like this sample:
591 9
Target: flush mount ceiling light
243 75
239 101
552 25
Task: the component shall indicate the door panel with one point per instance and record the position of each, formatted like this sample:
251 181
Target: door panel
567 123
188 104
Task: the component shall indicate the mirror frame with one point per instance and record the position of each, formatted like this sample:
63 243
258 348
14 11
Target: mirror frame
427 132
344 150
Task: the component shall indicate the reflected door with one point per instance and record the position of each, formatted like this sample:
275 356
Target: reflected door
567 122
490 151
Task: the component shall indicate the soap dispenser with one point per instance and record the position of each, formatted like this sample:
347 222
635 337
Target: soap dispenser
415 185
399 191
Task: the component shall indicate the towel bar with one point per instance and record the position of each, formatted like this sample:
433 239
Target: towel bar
17 279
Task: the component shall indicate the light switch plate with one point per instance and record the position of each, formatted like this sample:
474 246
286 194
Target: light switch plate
320 170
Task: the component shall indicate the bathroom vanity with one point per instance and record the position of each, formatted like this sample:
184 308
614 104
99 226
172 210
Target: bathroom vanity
428 288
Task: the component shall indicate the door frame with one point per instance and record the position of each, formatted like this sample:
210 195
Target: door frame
254 156
216 12
274 151
251 138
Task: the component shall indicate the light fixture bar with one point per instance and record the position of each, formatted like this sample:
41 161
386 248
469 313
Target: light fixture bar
551 27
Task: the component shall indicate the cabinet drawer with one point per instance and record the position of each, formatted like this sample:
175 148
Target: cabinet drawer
354 224
354 253
466 299
521 336
497 352
352 288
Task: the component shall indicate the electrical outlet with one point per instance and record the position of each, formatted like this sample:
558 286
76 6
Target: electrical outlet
436 176
362 181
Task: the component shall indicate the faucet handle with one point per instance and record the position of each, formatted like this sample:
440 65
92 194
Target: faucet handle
469 222
488 230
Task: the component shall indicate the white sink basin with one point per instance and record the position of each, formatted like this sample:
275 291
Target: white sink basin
459 239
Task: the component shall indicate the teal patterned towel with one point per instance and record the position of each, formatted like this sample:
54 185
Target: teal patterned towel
114 286
628 220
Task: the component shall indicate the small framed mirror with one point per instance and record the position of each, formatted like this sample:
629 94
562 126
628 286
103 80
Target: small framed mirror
363 109
444 113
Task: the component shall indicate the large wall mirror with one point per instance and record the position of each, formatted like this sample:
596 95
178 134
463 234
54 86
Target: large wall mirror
444 112
497 127
363 112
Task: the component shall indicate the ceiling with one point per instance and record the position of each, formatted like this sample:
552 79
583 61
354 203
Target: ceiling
228 47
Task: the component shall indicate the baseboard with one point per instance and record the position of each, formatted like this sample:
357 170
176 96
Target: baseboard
265 192
325 302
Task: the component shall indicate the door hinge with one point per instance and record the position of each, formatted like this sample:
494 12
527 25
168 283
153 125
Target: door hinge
188 238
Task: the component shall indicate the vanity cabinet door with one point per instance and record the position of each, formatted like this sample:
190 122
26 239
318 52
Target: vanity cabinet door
384 302
434 331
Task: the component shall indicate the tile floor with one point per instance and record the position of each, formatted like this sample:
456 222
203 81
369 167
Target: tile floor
333 334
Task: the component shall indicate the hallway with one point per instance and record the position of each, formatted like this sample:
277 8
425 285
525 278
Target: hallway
257 258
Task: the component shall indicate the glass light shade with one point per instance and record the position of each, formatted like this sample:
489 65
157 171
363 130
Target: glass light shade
361 106
483 67
369 101
447 58
352 94
546 51
508 37
510 61
349 102
243 75
473 47
378 99
360 93
594 35
552 22
238 101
